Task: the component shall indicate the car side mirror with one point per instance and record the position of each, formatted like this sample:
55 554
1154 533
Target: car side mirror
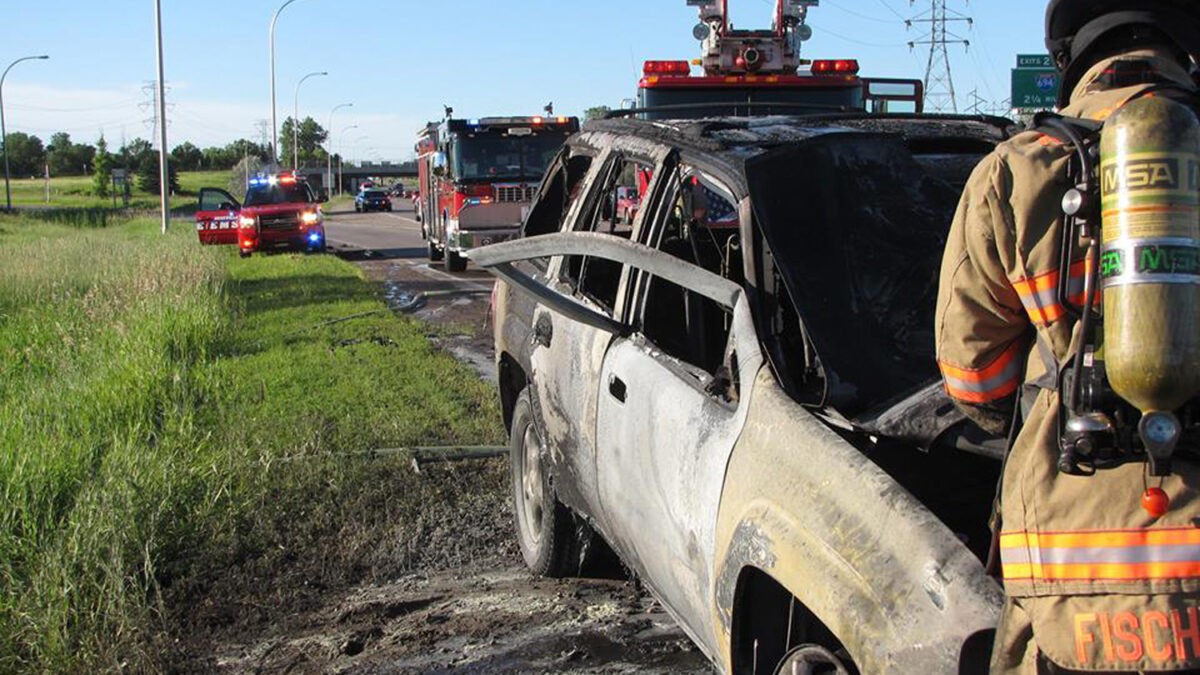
439 163
322 195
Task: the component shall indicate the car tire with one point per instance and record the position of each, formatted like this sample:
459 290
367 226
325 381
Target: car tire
357 208
811 659
455 262
244 254
545 527
435 252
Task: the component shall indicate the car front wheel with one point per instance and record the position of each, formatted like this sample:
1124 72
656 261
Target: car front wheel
545 528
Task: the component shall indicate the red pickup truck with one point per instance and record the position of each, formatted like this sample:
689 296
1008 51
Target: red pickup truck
280 211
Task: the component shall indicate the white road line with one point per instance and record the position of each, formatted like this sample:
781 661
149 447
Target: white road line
404 218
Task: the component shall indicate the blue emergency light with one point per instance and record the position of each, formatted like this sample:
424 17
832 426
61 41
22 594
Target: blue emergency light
314 237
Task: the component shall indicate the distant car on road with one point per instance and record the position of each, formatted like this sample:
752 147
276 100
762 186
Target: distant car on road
279 211
372 200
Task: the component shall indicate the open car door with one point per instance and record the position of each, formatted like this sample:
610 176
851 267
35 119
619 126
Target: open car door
217 217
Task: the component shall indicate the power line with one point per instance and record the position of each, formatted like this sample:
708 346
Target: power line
860 15
113 106
856 41
939 78
889 8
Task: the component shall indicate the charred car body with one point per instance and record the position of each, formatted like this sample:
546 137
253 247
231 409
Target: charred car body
738 393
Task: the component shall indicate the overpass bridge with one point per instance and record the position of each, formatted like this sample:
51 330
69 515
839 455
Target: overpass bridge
351 176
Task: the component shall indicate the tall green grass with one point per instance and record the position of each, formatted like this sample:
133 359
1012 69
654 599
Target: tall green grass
149 388
99 333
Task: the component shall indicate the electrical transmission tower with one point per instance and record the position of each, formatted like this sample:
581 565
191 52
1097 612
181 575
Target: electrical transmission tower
939 80
150 91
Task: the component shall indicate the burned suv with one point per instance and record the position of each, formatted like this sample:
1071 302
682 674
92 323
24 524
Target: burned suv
737 392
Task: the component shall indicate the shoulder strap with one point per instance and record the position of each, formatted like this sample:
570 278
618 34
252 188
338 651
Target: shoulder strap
1051 124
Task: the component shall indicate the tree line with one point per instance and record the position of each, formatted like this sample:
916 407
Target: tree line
29 156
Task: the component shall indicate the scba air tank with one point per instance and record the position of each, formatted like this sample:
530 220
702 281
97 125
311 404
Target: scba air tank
1150 261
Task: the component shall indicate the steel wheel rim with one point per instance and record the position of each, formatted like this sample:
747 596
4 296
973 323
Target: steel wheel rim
532 490
810 660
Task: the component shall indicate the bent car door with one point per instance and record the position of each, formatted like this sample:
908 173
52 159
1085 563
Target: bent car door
655 534
566 367
674 401
217 217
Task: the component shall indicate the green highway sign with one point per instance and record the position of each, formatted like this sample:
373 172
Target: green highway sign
1034 61
1035 82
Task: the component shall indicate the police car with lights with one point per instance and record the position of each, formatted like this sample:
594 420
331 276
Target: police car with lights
279 211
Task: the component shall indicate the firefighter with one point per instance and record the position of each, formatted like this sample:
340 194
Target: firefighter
1095 579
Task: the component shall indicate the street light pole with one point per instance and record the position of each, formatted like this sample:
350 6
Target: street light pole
274 119
4 127
341 157
164 181
296 122
329 149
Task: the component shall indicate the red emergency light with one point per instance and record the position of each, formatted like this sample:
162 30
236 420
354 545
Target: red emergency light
537 120
838 67
287 179
671 68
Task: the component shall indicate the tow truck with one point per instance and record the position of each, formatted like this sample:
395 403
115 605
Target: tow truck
280 211
761 72
478 177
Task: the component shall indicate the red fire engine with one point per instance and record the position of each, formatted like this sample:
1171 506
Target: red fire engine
477 179
760 72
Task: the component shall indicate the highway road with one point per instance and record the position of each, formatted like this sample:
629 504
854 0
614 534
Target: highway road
392 236
389 249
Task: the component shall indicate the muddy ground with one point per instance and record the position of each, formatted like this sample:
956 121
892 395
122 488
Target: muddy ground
441 589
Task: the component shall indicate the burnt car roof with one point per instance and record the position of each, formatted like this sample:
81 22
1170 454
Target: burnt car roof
739 137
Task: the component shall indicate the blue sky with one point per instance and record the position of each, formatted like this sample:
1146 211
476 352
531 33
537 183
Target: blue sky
398 61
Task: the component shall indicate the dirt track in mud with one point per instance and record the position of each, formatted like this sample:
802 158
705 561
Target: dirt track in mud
445 592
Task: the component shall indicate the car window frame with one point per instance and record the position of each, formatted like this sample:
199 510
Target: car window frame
635 303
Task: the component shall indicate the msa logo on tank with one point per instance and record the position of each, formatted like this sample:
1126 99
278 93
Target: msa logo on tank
1150 259
1157 172
1154 196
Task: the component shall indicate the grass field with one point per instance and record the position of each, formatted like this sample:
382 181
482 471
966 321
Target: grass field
168 410
76 191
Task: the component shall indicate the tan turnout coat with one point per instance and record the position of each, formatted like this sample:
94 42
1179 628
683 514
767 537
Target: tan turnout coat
1094 582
